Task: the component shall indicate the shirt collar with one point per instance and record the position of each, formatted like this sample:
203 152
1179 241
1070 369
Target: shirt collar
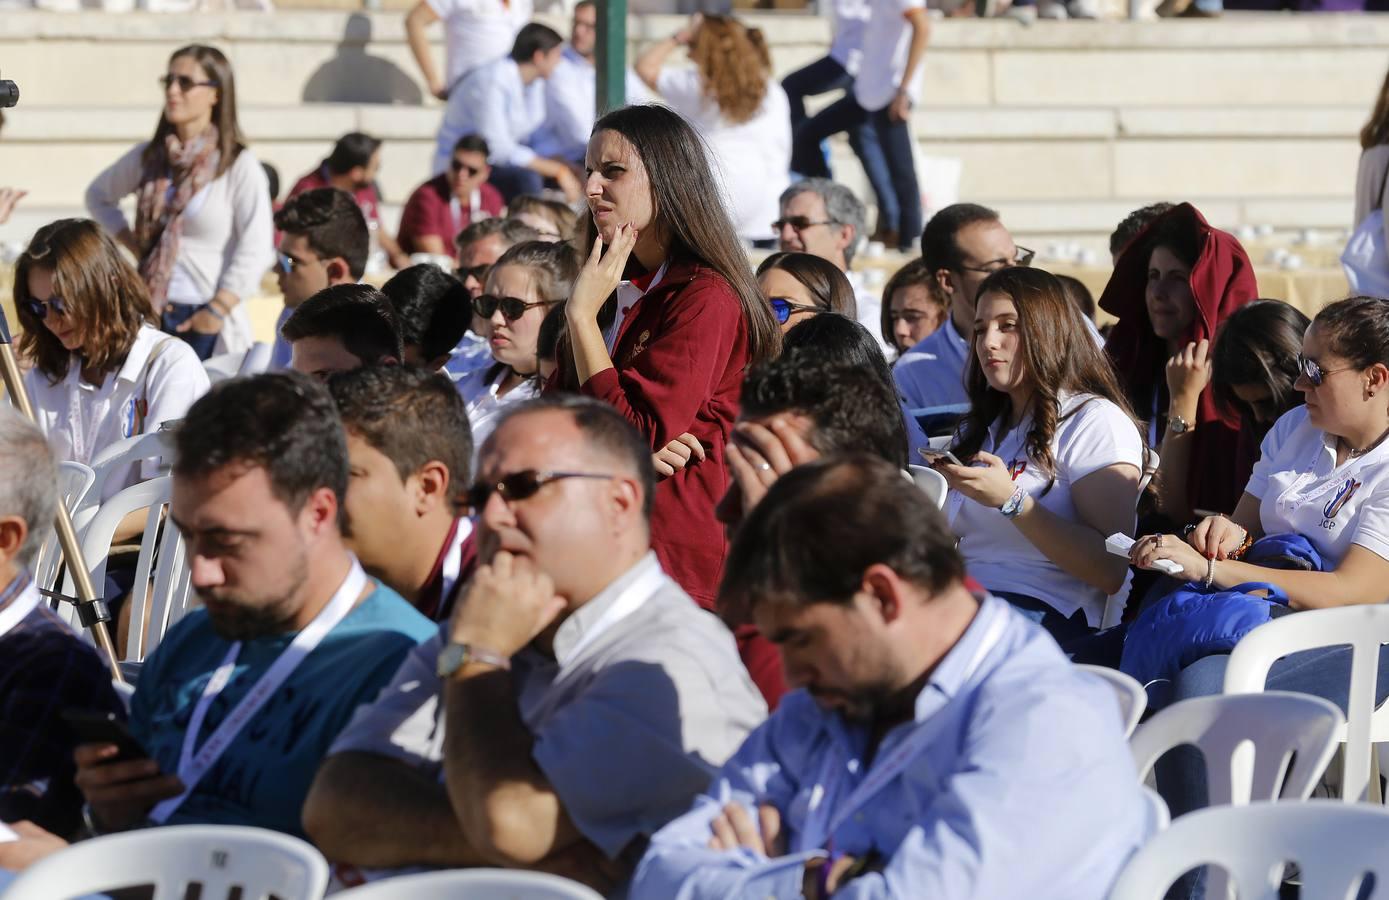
13 589
959 665
145 340
581 620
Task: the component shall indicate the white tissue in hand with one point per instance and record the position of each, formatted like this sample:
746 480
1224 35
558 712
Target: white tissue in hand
1121 544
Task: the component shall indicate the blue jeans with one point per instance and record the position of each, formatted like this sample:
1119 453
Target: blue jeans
895 139
175 314
1181 774
1058 626
845 115
513 181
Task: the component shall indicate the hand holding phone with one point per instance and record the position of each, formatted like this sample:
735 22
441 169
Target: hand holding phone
932 456
116 775
98 727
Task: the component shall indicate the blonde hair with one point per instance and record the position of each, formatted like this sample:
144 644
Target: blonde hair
734 64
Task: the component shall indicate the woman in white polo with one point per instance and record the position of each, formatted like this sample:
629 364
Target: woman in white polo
1323 474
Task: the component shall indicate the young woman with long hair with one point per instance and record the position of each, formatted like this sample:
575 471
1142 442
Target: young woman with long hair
1052 456
1254 363
203 233
732 100
686 321
101 371
801 285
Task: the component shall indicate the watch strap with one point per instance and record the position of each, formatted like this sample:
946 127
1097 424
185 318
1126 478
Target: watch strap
455 656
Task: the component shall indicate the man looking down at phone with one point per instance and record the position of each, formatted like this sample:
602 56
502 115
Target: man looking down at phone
239 702
44 666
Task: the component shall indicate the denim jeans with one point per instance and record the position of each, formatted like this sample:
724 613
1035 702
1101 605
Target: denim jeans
513 181
1058 626
175 314
820 77
895 139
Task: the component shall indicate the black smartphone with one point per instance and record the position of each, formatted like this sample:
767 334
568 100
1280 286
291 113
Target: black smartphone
96 727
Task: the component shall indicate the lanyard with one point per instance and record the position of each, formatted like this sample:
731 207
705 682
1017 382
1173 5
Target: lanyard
26 602
820 826
628 602
192 767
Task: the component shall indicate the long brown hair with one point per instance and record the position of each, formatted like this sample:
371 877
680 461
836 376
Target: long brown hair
1058 355
734 64
687 206
229 137
827 285
103 294
1376 130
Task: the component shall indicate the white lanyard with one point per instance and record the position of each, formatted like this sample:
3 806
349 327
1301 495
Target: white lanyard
453 559
628 602
819 825
21 606
192 767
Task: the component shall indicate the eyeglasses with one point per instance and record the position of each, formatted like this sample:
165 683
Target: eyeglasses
783 307
477 273
1022 260
39 308
518 486
797 223
512 308
184 82
456 166
1313 372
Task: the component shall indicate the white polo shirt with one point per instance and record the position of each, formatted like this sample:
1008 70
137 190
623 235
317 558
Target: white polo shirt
486 405
478 31
886 41
1301 490
81 419
1091 435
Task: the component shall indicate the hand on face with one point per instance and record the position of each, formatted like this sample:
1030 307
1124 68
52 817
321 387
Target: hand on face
509 602
986 481
762 453
600 275
1188 373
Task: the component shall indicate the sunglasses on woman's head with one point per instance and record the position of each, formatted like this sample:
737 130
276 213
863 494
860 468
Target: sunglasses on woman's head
783 307
512 308
39 308
184 82
518 486
1313 372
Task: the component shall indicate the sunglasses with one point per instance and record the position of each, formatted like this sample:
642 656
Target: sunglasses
520 485
184 82
39 308
477 273
1313 372
783 307
797 223
455 166
512 308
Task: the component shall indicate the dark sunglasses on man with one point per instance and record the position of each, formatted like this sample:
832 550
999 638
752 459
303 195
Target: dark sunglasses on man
39 308
512 308
457 166
477 273
783 307
520 485
797 223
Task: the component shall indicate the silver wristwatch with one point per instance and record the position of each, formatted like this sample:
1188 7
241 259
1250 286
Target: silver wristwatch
1178 425
455 656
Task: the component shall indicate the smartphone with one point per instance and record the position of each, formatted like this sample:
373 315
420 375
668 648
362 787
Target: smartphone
96 727
930 454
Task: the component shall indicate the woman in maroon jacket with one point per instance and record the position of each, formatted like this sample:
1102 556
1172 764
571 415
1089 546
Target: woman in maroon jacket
686 319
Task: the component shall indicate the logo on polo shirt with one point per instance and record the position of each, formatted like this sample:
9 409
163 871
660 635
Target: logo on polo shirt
1338 502
1017 467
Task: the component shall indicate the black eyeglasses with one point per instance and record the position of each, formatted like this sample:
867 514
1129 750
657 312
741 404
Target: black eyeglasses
783 307
455 166
797 223
185 83
1313 372
39 308
512 308
477 273
1022 260
518 486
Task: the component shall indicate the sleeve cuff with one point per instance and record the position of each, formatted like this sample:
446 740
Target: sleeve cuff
602 385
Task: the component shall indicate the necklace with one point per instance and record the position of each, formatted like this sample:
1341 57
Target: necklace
1354 453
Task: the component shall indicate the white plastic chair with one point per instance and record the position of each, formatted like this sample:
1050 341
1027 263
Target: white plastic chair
1159 817
1333 845
474 884
116 459
169 595
257 359
74 486
931 483
221 858
1130 694
1256 746
1364 629
224 365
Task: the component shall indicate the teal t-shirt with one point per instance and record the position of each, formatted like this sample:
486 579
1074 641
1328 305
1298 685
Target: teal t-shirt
263 776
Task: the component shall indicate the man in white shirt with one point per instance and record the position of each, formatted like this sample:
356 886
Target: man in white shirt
577 701
476 32
504 103
824 217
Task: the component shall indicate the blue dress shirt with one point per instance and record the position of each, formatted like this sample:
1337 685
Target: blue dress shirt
492 101
1021 785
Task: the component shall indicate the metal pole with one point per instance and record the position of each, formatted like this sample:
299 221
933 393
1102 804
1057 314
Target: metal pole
92 612
612 54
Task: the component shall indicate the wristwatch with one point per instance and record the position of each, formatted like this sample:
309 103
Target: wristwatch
455 656
1177 425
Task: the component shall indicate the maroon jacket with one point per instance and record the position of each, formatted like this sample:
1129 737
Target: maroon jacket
430 211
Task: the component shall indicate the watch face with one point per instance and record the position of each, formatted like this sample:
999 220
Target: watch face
450 658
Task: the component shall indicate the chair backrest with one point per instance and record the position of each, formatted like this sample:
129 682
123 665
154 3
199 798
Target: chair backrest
931 482
224 365
74 488
474 884
221 858
154 606
1333 845
257 359
118 457
1256 746
1159 817
1130 694
1363 629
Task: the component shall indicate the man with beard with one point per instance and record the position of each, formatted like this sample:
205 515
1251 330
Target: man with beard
240 701
942 745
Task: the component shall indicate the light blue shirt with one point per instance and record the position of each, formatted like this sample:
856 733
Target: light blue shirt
571 96
931 374
1024 787
491 101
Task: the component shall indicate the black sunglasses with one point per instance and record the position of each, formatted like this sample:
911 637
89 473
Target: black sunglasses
783 307
477 273
39 308
512 308
455 166
185 83
797 223
1313 372
518 486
